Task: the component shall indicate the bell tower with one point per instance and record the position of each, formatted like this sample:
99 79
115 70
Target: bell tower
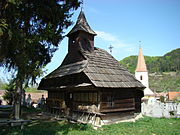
81 37
141 73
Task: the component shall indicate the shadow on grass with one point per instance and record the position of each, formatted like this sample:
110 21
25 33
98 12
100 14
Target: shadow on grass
144 126
45 128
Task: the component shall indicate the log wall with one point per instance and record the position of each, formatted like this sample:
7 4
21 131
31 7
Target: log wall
84 99
105 100
114 101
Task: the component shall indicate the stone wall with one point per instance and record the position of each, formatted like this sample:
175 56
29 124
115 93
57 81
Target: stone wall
159 109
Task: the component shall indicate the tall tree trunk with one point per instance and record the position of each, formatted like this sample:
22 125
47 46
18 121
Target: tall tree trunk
17 98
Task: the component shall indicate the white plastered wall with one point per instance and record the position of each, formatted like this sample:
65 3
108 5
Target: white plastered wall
144 81
144 78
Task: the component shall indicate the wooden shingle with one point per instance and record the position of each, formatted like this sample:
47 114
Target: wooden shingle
101 69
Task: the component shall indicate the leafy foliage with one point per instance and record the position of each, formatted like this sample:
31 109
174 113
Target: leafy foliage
2 84
8 96
168 62
30 31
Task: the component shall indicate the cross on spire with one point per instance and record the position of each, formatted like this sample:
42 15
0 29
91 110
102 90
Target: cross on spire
82 4
110 48
139 44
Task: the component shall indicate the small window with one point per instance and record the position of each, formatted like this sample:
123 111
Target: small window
141 77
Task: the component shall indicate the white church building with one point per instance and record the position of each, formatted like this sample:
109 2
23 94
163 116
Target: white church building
141 74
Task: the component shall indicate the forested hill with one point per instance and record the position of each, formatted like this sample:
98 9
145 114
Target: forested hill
168 62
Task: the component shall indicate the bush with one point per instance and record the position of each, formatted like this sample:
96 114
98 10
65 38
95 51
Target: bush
162 98
8 96
10 88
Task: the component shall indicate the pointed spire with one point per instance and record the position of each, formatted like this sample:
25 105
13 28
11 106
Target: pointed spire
141 65
82 25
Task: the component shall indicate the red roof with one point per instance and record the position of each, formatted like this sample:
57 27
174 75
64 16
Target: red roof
173 95
141 65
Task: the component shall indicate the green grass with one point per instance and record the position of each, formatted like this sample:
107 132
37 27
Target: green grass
145 126
33 89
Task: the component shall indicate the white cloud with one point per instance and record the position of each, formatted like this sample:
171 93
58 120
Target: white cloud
114 40
120 49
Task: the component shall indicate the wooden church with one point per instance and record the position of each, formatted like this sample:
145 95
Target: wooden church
90 82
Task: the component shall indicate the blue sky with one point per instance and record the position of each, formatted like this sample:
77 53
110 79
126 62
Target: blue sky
123 23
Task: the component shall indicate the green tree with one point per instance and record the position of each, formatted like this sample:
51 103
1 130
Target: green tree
30 31
2 84
8 96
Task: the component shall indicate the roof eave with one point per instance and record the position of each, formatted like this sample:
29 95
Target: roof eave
75 31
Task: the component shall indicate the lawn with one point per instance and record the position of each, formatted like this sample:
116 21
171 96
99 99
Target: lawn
34 90
144 126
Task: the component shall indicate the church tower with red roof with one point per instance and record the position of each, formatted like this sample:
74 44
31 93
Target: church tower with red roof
141 73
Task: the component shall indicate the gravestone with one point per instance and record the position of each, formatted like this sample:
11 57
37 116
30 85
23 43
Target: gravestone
178 110
166 109
157 110
143 108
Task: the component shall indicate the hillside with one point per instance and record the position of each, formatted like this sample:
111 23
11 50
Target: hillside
165 82
164 71
167 63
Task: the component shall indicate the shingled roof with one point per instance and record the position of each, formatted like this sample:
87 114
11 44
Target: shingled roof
105 71
101 69
88 68
81 25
